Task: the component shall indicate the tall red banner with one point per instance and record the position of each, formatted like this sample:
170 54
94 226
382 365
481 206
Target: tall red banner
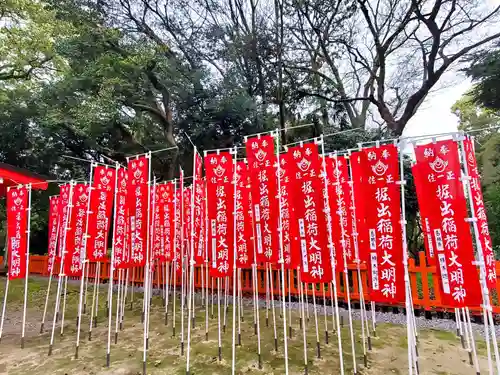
75 245
17 227
309 213
291 245
383 216
101 204
199 220
424 216
168 220
357 161
264 187
439 177
219 173
244 245
121 219
64 196
53 231
480 213
187 218
157 245
138 190
339 198
198 208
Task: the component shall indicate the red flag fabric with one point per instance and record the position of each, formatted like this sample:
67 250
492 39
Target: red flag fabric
138 190
264 187
187 218
157 248
424 216
244 245
199 220
75 245
101 203
339 199
168 220
178 236
17 227
121 219
383 224
53 231
480 213
219 172
357 160
440 171
64 195
291 245
309 213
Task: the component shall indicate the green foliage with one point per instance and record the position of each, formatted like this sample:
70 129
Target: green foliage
485 70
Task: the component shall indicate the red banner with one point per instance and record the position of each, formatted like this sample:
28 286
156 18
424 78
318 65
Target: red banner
219 172
53 231
168 220
424 216
357 160
339 198
440 171
291 245
199 221
244 245
264 187
17 227
187 218
157 248
480 213
178 231
138 190
75 245
101 203
63 212
383 223
121 219
309 212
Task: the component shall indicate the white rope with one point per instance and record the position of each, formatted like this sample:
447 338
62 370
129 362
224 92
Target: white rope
96 281
235 285
191 268
408 299
83 257
482 273
281 256
332 260
272 307
318 346
25 303
64 303
303 320
147 271
218 320
4 305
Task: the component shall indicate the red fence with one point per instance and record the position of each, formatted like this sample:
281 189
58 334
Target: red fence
424 281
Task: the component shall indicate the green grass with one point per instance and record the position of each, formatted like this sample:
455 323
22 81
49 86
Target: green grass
388 355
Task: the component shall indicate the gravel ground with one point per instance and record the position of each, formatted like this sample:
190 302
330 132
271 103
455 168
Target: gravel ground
381 317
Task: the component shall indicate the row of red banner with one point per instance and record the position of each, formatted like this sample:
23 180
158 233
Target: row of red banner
334 211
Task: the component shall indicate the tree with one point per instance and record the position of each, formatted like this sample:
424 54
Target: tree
27 34
485 71
385 54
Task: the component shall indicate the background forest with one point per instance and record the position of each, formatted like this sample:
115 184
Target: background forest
101 80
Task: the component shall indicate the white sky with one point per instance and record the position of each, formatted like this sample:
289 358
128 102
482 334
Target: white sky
434 115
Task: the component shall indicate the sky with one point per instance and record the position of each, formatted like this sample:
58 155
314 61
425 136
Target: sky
434 115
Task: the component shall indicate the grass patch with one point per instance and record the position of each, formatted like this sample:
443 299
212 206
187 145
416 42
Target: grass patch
163 357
